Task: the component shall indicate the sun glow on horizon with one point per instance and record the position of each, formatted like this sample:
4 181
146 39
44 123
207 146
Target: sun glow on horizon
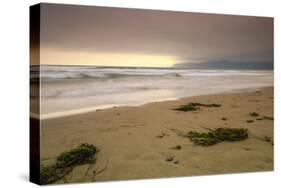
57 57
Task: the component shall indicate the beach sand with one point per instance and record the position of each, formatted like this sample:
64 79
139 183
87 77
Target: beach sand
135 142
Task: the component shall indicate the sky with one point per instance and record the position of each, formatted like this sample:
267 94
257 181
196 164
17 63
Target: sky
103 36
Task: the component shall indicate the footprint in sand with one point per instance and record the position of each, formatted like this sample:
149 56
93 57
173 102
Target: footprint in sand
108 129
132 156
149 157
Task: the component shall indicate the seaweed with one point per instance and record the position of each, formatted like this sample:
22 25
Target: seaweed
267 139
250 121
268 118
218 135
254 114
77 156
187 107
206 105
194 106
65 162
51 174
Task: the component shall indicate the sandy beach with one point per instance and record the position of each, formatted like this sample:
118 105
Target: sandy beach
135 142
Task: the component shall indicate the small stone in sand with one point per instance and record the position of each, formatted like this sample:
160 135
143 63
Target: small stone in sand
250 121
267 139
224 119
258 118
169 158
162 135
117 113
98 110
255 114
178 147
176 162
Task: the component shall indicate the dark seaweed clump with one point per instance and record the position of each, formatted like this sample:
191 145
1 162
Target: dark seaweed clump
205 105
218 135
194 106
255 114
65 162
187 107
269 118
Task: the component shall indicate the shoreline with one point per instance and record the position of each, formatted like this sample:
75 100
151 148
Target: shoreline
75 112
135 142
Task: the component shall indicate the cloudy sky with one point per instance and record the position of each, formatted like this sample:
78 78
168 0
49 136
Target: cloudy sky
87 35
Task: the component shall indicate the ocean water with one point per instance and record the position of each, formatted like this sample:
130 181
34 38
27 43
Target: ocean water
67 90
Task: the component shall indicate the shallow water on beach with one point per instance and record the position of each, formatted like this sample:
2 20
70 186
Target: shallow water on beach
67 90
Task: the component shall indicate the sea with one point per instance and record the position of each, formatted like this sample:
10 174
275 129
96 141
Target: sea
68 90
